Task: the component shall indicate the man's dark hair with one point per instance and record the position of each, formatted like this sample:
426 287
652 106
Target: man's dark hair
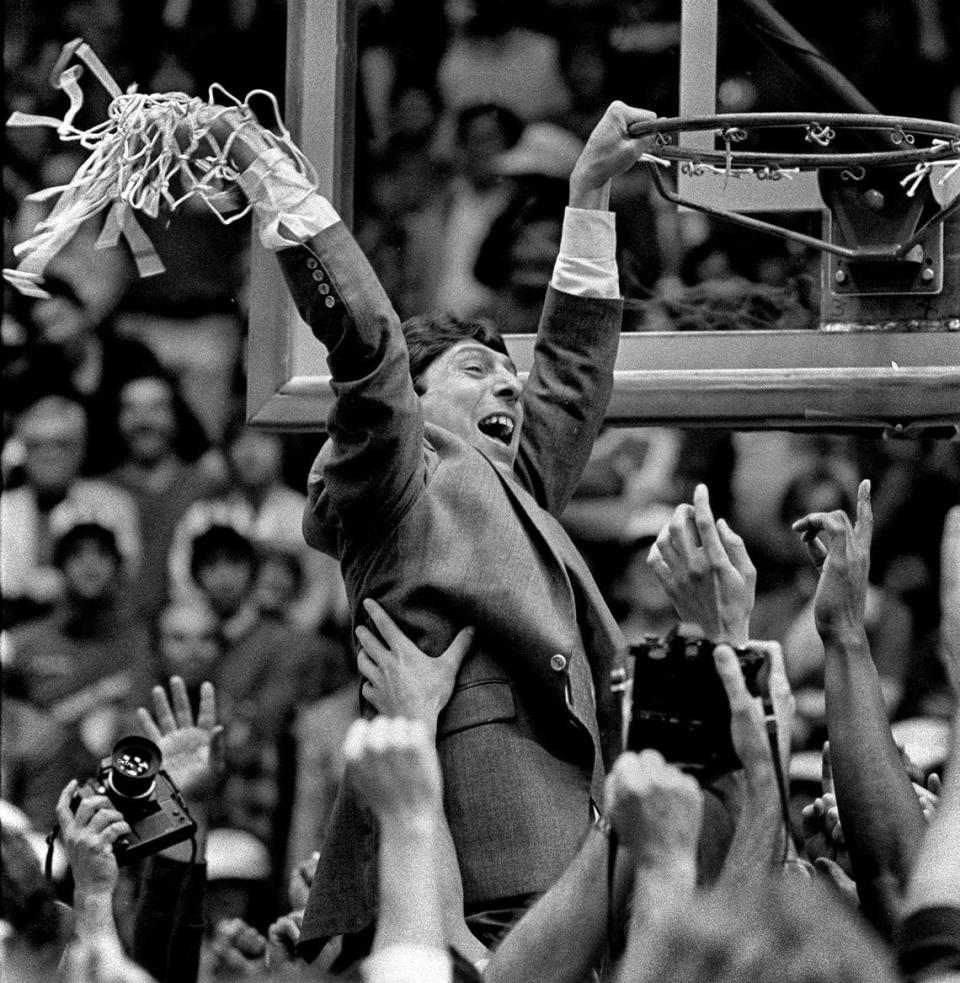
85 532
220 541
428 336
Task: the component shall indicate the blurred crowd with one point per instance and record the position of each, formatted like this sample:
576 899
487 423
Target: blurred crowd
147 532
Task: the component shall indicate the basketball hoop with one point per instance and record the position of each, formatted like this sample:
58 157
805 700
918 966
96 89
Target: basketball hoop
884 209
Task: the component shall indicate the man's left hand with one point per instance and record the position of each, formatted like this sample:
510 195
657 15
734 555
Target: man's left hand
609 152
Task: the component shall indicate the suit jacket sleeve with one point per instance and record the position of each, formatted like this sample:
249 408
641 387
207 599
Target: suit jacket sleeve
567 393
375 466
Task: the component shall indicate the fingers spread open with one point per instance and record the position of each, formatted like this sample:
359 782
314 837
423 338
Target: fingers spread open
181 702
149 727
207 714
162 712
388 628
369 643
456 651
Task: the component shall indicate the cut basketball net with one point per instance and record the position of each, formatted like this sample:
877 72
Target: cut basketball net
151 154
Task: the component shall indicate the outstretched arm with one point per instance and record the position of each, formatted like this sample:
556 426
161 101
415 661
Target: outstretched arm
759 842
375 425
657 812
168 918
570 383
882 820
392 764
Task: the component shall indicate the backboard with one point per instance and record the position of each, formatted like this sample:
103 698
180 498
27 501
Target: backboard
861 369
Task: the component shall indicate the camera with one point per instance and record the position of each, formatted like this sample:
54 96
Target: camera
133 779
676 703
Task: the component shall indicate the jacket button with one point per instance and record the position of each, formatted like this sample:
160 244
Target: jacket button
323 288
311 263
329 301
558 662
317 275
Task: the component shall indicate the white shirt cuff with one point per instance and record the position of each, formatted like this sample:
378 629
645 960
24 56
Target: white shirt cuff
587 262
287 207
408 964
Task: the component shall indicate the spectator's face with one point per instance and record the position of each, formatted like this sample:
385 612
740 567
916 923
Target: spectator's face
225 581
482 142
54 452
147 420
91 572
255 459
189 644
474 392
276 585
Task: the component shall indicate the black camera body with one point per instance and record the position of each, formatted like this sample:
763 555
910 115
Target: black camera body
678 706
131 777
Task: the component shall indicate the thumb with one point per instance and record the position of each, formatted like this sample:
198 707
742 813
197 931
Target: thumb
457 650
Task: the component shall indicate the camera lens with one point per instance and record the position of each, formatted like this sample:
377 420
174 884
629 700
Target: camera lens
133 765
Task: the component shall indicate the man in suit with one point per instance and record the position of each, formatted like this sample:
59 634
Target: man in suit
439 491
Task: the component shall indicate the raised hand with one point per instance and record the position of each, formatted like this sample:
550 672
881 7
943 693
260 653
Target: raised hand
706 571
654 807
747 724
192 750
393 765
400 680
822 832
841 552
609 152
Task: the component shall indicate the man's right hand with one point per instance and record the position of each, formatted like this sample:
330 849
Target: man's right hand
609 152
88 836
841 552
654 807
393 765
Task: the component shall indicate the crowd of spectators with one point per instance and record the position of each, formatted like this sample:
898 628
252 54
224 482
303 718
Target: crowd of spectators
147 533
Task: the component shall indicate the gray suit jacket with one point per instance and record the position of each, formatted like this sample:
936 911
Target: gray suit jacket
424 523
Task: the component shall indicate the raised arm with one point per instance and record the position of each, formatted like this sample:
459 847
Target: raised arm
168 916
392 764
569 386
882 820
706 571
375 426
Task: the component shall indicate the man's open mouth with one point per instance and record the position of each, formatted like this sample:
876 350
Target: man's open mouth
499 426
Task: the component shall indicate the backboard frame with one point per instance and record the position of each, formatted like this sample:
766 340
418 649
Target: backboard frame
837 380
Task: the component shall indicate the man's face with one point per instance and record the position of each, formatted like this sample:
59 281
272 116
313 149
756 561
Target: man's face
54 452
189 643
147 420
474 392
91 572
255 458
225 582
